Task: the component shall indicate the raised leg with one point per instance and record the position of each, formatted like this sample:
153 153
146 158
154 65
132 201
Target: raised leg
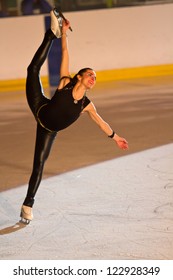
34 90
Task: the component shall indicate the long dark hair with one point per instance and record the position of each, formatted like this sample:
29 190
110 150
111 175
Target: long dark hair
74 80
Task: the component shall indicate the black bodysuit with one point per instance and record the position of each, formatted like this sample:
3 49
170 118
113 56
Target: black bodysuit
61 111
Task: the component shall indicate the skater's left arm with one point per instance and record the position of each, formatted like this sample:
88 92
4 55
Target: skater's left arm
91 110
64 67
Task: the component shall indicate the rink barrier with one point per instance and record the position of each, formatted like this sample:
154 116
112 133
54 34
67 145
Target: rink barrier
102 76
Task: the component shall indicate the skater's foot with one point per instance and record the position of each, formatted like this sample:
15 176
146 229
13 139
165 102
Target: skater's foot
56 23
59 14
26 214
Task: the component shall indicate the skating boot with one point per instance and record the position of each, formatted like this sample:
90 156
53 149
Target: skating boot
56 23
26 214
59 14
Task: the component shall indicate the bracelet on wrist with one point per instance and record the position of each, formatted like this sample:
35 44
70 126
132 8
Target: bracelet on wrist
112 135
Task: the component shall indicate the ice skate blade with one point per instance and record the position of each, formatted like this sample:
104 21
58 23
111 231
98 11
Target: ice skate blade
24 221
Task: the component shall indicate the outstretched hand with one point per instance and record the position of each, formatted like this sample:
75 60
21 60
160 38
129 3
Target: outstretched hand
121 142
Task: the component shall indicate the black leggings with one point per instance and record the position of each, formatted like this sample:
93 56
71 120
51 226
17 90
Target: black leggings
36 98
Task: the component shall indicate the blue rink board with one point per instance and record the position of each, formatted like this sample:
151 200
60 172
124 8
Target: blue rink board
54 58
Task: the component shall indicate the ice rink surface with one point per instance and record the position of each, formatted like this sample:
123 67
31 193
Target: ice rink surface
118 209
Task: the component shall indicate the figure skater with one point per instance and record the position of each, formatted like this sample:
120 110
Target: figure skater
64 108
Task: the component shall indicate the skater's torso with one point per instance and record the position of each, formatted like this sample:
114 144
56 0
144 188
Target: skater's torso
62 110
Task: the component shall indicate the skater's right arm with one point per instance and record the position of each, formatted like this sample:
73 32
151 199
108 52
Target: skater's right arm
64 67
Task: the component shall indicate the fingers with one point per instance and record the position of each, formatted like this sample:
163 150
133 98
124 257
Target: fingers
123 144
66 21
66 24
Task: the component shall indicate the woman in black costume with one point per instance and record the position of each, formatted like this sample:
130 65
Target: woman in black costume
65 107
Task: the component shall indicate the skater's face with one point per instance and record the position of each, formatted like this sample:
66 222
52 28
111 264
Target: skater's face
88 79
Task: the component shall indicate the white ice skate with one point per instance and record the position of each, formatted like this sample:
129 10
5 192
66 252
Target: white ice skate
56 23
26 214
59 14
